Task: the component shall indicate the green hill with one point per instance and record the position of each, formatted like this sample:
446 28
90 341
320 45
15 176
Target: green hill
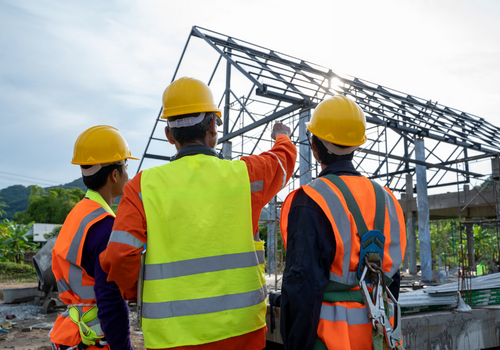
16 197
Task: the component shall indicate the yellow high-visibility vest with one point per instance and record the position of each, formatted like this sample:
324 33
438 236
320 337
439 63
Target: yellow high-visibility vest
204 274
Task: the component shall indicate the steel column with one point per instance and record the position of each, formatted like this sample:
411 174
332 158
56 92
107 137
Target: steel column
271 237
424 233
227 150
411 250
304 149
227 146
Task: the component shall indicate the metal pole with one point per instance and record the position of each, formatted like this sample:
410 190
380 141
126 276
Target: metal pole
227 147
304 149
410 227
424 234
495 171
275 223
271 242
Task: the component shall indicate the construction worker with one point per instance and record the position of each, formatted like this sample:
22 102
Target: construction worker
321 303
97 315
204 285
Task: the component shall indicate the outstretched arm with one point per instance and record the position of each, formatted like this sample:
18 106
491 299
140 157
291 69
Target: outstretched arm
122 257
270 171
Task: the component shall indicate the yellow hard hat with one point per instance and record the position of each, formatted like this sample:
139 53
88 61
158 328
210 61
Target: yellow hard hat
186 96
100 144
339 120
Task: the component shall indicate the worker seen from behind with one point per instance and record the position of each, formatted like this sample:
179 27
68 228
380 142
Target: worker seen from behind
329 227
203 285
97 315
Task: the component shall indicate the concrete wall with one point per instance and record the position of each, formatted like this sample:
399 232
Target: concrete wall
477 329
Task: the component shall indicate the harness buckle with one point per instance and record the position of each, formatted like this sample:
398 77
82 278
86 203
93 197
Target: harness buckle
372 246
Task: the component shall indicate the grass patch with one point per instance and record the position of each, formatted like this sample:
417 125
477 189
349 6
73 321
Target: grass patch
12 272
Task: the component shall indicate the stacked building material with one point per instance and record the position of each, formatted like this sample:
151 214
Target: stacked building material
419 301
485 290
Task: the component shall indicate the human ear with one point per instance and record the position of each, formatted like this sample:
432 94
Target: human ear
169 136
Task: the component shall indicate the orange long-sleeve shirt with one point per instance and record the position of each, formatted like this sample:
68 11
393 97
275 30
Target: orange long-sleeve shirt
268 173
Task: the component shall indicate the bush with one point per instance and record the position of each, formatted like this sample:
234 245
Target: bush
12 271
53 233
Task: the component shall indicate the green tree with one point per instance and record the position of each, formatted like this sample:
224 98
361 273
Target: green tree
486 183
14 241
3 206
485 244
49 206
445 241
53 233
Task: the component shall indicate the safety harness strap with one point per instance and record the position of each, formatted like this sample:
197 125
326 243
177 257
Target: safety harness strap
354 208
85 325
319 344
348 295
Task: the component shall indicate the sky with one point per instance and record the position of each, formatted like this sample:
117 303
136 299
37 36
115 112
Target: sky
68 65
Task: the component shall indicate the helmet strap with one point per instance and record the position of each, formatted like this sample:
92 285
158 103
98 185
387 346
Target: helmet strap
184 122
96 167
334 149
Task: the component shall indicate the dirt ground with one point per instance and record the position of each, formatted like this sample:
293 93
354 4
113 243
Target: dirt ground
24 334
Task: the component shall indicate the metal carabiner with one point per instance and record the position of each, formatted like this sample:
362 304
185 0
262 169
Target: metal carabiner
393 333
376 306
376 310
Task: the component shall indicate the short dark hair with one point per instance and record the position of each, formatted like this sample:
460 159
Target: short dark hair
193 133
99 179
329 158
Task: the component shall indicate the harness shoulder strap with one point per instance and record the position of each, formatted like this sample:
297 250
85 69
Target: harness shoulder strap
354 208
379 206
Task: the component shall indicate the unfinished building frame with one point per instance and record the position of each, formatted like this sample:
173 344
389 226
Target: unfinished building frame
409 138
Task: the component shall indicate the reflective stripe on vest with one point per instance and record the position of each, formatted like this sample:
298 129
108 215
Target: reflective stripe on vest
395 246
353 316
75 274
203 265
192 307
344 229
204 273
341 313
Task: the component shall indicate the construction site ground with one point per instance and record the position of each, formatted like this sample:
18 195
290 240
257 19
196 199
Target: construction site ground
30 328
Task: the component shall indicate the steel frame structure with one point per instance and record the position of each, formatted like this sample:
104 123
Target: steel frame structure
256 86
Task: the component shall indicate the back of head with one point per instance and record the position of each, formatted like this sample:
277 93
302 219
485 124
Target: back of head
339 126
99 150
189 107
189 128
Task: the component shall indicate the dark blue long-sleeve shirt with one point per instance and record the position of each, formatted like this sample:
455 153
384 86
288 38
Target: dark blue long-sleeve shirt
310 253
113 310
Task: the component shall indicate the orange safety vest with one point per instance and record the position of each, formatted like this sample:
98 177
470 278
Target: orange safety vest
74 284
345 324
